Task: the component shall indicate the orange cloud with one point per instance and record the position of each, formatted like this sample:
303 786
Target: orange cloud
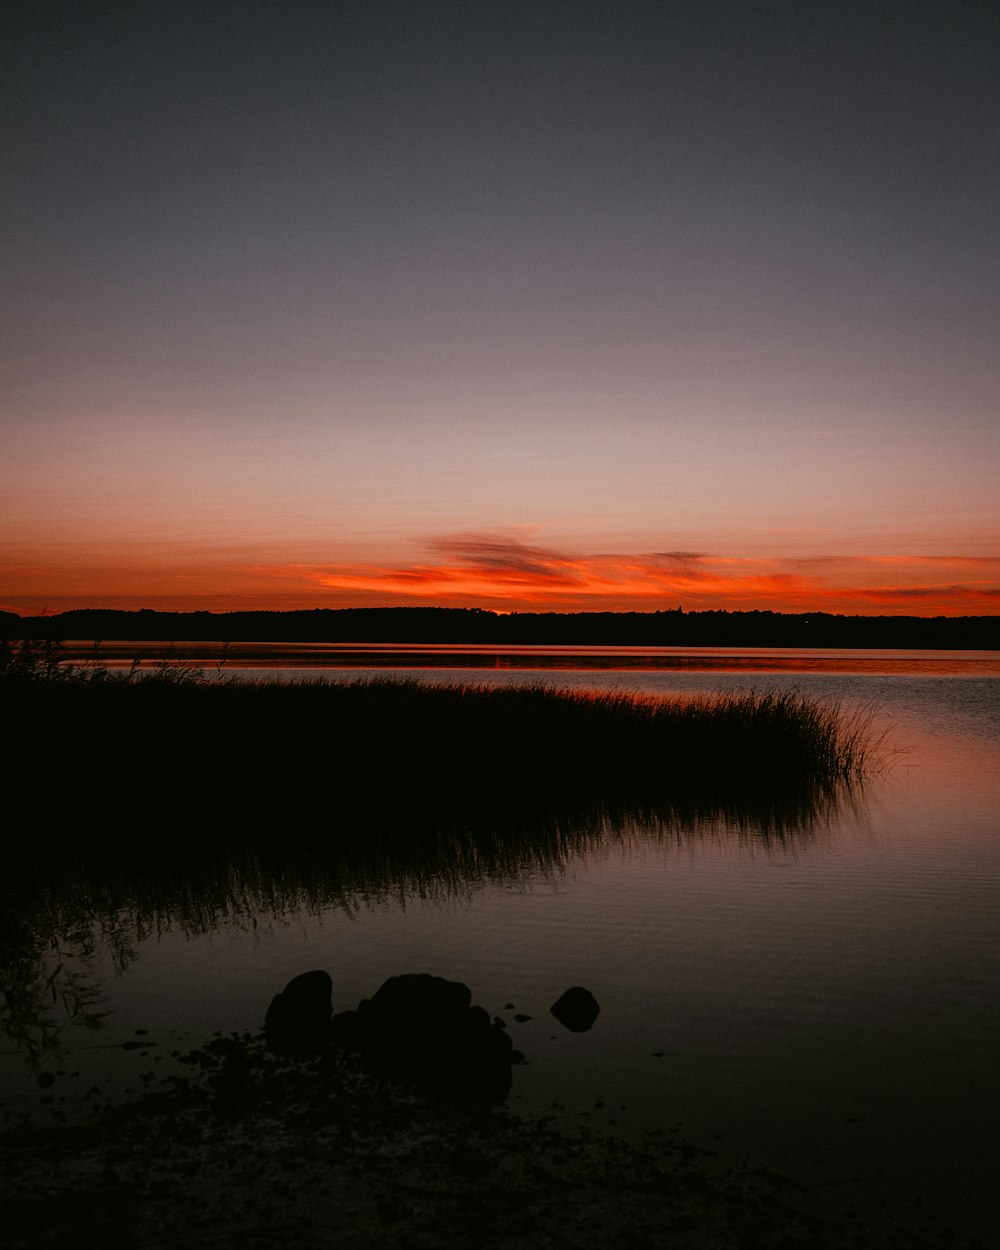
505 573
488 570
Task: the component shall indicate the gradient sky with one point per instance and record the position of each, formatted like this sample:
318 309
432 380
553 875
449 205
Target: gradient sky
512 305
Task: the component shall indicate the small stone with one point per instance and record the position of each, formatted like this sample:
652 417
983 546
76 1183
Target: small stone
576 1009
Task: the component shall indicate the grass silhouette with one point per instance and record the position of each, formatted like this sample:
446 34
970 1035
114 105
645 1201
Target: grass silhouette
171 750
169 768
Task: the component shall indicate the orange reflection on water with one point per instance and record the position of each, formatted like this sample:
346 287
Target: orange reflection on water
583 658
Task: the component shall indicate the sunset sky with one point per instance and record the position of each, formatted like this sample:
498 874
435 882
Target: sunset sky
518 305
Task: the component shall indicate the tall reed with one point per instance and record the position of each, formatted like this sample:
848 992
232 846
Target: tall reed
221 760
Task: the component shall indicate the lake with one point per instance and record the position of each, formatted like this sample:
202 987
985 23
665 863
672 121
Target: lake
824 999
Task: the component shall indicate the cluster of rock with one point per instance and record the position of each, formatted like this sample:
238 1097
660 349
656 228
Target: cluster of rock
415 1023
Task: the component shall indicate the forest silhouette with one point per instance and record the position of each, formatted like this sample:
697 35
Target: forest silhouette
669 628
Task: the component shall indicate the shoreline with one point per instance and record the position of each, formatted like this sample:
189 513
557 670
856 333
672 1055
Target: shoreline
326 1152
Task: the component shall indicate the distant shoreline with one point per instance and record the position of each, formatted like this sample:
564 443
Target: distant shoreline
474 626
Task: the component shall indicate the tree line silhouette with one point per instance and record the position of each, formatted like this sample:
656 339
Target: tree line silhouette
670 628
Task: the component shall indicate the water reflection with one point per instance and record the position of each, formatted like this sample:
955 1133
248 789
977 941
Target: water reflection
59 929
274 656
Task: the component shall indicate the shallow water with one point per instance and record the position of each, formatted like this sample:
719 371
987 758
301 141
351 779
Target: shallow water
285 658
828 1001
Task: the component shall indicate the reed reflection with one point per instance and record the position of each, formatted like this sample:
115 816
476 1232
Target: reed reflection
58 933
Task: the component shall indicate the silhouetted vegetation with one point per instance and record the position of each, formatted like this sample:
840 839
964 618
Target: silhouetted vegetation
173 754
672 628
174 758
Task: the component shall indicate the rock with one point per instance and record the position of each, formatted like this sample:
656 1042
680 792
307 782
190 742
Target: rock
418 1023
419 992
576 1010
428 1027
298 1021
318 983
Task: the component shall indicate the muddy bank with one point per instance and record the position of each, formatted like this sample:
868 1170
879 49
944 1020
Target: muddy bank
251 1149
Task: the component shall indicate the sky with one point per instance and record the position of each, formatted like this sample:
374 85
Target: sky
522 306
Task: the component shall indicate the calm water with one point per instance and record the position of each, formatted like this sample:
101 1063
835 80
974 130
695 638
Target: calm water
828 1001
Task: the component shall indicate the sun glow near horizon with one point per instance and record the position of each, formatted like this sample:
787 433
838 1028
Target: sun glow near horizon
508 574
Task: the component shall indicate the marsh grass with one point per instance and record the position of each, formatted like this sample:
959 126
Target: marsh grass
224 762
177 773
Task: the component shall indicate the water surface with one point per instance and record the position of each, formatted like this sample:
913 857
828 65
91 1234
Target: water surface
827 999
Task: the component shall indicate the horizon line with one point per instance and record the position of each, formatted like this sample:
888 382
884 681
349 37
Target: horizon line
494 612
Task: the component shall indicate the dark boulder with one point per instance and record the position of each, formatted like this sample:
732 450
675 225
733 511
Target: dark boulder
427 1026
298 1021
576 1010
418 993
